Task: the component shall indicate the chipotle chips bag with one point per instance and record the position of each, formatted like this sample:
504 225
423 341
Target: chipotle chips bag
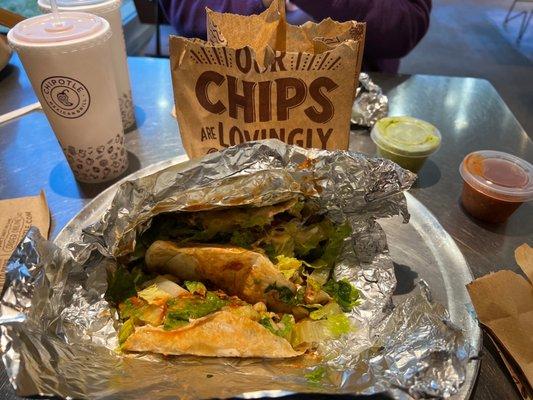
257 77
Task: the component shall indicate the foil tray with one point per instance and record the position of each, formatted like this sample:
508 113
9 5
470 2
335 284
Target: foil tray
422 251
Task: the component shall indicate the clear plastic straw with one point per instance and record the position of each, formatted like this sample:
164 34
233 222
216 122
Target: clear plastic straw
55 13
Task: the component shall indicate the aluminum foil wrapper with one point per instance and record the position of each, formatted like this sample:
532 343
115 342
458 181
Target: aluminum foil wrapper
58 334
370 103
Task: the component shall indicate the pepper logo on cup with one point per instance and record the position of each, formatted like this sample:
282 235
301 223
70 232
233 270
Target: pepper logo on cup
67 97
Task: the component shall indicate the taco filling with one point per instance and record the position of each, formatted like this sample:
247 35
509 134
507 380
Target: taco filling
238 282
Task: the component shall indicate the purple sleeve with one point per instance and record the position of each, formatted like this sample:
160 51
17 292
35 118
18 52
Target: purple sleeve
188 17
393 27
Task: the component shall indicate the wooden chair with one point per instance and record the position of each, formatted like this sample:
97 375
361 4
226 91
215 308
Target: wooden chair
9 19
149 12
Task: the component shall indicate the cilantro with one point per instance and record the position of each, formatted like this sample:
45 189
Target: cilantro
344 293
284 293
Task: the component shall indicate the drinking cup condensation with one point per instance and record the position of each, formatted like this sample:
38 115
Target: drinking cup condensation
110 11
68 61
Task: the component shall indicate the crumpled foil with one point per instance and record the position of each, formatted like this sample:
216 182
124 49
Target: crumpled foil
370 103
58 334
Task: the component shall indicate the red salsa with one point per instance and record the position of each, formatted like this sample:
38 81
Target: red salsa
495 185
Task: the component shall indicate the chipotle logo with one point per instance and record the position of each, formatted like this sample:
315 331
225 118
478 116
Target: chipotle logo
67 97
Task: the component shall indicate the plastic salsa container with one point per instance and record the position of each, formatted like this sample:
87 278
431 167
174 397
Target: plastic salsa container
407 141
495 184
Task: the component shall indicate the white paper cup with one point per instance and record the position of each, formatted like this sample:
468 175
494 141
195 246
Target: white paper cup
69 66
110 11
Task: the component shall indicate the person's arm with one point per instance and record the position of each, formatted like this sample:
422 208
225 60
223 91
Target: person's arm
393 27
188 17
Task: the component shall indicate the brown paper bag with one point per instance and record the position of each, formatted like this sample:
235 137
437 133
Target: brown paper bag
504 305
258 77
16 217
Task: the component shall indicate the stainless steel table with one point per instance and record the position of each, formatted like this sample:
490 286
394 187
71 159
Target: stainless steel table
469 112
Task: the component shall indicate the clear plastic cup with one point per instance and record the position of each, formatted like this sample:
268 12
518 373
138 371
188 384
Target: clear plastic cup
495 184
110 11
405 140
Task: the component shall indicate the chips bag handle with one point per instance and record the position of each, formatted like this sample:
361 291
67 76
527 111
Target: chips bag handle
281 10
281 35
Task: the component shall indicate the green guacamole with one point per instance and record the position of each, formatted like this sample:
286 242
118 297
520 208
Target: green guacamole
405 140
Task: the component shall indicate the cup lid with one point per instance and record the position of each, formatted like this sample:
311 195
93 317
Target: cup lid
499 175
45 28
75 3
406 136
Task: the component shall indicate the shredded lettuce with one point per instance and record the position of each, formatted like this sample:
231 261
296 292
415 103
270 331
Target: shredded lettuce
318 243
242 238
152 315
288 265
318 277
185 308
280 240
309 331
228 220
126 330
283 328
338 325
326 311
292 238
131 307
333 246
313 284
196 287
246 311
123 283
159 290
153 295
344 293
316 375
137 309
173 323
308 238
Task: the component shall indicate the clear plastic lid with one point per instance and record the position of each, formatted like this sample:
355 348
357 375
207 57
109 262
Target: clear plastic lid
46 28
406 136
499 175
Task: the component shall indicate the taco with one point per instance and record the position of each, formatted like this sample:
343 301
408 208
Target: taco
237 282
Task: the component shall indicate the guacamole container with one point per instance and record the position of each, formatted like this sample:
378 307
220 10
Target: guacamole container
405 140
495 184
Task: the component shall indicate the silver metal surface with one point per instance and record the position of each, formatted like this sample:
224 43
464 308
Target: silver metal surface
468 112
